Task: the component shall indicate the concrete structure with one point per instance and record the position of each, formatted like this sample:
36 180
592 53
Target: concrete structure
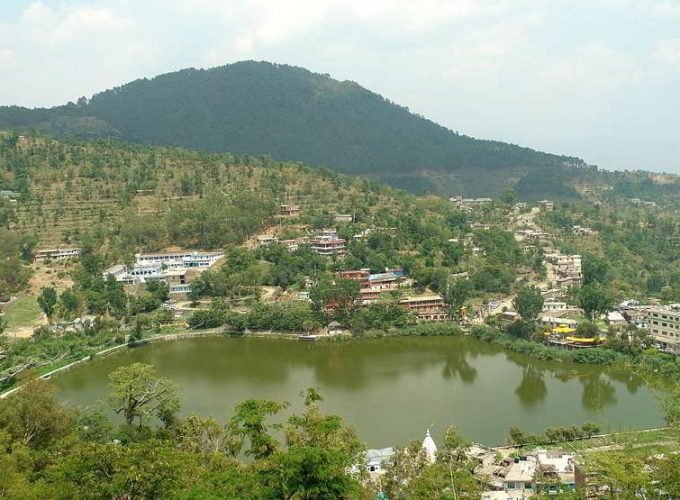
553 321
545 204
266 239
176 269
343 218
549 305
373 285
184 259
565 269
616 320
335 328
520 477
9 194
583 231
427 307
558 471
360 275
664 325
377 459
328 244
430 448
56 254
289 211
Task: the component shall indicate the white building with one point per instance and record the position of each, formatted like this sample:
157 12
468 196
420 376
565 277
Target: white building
615 319
430 448
559 467
553 305
664 325
520 477
56 254
180 259
377 459
176 269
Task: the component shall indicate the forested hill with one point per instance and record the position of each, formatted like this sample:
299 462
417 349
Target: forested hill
296 115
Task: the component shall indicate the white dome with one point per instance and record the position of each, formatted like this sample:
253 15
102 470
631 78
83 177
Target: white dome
429 447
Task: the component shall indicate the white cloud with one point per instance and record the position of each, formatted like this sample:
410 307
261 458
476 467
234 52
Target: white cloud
668 52
7 59
543 73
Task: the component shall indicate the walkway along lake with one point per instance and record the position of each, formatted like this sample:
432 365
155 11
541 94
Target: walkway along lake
391 389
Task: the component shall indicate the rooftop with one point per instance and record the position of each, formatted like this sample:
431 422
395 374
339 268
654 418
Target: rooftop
522 471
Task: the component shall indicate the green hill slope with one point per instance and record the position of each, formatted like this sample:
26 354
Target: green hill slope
295 115
152 197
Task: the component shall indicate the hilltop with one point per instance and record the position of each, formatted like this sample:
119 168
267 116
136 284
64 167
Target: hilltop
296 115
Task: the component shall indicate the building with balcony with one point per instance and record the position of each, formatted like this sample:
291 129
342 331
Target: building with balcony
427 307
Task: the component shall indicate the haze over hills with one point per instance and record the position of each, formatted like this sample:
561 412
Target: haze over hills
296 115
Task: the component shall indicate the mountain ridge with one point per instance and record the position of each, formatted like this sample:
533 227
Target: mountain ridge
294 114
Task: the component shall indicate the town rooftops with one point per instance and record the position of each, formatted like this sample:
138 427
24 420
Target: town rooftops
615 317
378 456
420 298
556 460
522 471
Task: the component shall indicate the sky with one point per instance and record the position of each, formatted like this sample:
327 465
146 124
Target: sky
598 79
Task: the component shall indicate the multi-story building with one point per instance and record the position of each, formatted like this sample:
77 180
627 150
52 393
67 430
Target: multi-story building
176 269
373 285
328 244
360 275
664 325
266 239
180 259
427 307
56 254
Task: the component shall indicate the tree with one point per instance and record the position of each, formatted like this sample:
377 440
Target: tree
594 299
138 394
516 436
337 295
522 329
595 269
321 450
587 329
206 435
508 196
589 429
148 469
528 302
34 416
250 422
70 302
47 300
624 473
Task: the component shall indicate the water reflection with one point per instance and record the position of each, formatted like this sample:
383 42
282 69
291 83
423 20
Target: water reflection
629 379
598 392
388 388
456 365
532 390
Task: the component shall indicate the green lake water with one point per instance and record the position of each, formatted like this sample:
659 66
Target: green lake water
391 389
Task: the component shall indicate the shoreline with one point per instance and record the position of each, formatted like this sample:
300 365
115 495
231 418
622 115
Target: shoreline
170 337
184 335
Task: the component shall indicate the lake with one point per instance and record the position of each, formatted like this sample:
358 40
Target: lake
391 389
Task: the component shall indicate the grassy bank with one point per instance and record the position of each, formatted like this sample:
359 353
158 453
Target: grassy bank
22 312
